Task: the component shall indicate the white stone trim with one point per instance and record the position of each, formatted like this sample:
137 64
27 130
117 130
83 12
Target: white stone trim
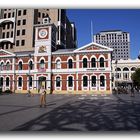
106 69
101 56
7 87
2 61
30 60
70 88
3 87
58 88
92 87
20 60
6 65
10 54
95 44
58 58
85 88
46 80
8 61
28 83
32 63
102 88
77 61
96 60
42 58
87 61
20 88
70 57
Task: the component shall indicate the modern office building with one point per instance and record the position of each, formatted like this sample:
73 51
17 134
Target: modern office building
118 40
17 30
75 70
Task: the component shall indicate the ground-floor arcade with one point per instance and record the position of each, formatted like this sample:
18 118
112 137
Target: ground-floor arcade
58 83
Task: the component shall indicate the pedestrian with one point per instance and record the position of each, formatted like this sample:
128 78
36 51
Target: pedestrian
31 93
132 91
42 97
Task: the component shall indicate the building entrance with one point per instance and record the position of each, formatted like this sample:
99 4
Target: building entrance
42 82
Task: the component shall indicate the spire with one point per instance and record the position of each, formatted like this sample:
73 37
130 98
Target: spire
91 31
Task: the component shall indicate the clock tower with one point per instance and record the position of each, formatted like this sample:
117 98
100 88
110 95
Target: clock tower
45 42
45 39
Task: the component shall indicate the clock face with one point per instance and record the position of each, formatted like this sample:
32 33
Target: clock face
43 33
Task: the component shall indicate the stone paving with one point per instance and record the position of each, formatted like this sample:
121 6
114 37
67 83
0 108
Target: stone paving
70 113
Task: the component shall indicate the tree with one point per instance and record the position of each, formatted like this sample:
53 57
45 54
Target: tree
136 77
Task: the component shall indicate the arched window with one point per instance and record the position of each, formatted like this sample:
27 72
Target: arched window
118 69
1 81
93 62
58 81
58 64
102 81
101 62
7 82
85 63
70 81
30 81
125 73
118 73
133 69
125 69
93 81
42 64
7 66
85 81
30 65
70 63
2 66
20 82
20 65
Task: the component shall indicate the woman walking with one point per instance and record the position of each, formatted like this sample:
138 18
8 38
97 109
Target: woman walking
42 97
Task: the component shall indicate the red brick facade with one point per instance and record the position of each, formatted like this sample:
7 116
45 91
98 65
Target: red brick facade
77 72
86 69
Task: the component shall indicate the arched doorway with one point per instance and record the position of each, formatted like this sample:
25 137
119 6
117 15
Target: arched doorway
42 82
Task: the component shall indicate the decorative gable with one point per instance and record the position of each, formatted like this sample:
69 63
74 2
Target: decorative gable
5 53
93 47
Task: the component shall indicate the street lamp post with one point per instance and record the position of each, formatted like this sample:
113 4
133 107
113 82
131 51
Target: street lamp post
15 74
29 78
116 76
116 72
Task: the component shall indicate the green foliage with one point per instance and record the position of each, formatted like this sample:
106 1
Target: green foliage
136 77
7 91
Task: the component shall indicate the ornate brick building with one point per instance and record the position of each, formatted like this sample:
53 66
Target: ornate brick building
83 70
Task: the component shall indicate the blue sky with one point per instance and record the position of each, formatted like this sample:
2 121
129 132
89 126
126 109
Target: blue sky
127 20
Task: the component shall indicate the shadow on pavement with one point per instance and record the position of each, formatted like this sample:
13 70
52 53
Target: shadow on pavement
23 108
88 115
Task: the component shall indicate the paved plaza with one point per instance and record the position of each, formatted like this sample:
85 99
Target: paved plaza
18 112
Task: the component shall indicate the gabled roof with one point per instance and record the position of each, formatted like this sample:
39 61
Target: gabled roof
93 44
5 53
